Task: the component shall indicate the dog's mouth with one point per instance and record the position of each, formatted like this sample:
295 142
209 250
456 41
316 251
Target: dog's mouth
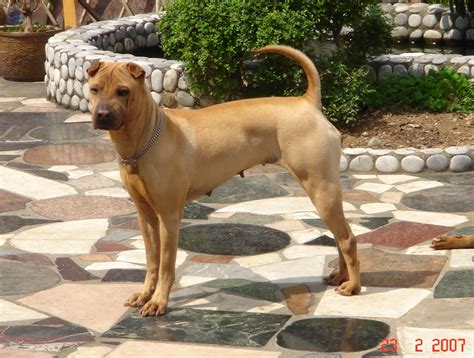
106 121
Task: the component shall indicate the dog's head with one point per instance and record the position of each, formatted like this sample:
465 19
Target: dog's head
114 89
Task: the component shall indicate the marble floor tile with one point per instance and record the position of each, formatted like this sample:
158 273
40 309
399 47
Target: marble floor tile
365 176
70 154
257 260
48 337
62 168
11 99
333 335
77 173
449 199
300 251
427 217
149 350
72 237
219 271
371 302
462 258
70 271
125 275
417 342
38 102
418 185
94 306
113 174
20 278
139 257
82 207
38 188
391 197
242 287
303 270
16 353
79 118
201 326
287 225
232 239
373 223
402 234
425 250
225 302
10 312
91 352
105 266
374 187
11 202
212 259
304 236
376 208
395 179
454 284
186 281
110 192
441 313
301 215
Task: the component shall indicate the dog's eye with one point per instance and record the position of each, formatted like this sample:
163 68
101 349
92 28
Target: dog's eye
122 92
94 90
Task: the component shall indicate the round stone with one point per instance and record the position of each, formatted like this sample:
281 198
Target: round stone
69 154
460 163
401 19
64 58
432 151
465 70
344 164
232 239
429 68
439 60
152 40
84 105
57 75
119 35
416 69
362 163
58 95
413 164
168 100
79 73
140 28
185 99
462 23
183 85
129 45
387 164
78 88
416 35
401 8
327 334
446 23
131 32
399 33
64 72
141 41
355 151
432 36
170 81
414 20
149 27
66 101
470 35
457 150
75 101
417 8
448 198
62 86
405 151
400 70
384 72
20 278
85 90
57 60
438 162
118 47
156 97
62 132
82 207
70 87
430 21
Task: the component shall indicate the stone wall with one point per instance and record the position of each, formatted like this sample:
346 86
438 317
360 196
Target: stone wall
70 53
425 23
428 23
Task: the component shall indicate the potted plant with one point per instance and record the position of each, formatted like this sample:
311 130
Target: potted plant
22 54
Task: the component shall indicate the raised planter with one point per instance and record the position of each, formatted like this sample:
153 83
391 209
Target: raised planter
22 55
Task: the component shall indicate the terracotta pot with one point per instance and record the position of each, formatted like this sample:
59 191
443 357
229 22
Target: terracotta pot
22 55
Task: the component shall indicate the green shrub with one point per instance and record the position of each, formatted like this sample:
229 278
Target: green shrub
214 38
438 91
344 90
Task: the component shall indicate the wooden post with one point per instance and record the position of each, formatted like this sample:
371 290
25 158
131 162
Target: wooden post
69 9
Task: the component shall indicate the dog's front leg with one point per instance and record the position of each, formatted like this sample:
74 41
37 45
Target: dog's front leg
169 233
149 226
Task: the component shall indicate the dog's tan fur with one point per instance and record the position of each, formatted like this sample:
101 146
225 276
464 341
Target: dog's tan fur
200 149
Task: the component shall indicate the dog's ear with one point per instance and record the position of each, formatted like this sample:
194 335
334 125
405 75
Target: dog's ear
135 70
91 71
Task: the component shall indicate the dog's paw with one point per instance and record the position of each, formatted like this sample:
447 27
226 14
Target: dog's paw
154 308
137 300
446 242
348 288
336 278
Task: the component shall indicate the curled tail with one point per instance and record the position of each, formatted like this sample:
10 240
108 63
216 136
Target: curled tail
313 92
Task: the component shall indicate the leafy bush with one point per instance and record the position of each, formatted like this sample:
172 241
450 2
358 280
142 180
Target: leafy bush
344 90
438 91
214 38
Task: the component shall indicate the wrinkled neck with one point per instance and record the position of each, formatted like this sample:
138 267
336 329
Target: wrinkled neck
139 125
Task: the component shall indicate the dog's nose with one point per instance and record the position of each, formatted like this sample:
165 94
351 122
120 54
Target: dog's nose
103 114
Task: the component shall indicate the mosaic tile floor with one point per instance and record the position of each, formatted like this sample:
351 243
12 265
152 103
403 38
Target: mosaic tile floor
250 265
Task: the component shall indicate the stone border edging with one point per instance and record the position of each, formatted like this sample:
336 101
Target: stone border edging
409 160
70 53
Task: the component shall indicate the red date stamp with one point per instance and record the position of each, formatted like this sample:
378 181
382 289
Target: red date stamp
435 345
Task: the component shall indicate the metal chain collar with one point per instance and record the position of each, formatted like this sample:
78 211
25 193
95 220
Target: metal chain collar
133 161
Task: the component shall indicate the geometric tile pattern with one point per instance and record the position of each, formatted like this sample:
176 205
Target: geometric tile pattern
71 254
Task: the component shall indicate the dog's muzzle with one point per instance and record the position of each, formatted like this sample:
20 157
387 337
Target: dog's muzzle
104 119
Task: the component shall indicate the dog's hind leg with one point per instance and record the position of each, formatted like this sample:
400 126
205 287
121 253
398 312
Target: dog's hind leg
327 198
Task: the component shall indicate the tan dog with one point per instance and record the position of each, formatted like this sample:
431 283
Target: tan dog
453 242
200 149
